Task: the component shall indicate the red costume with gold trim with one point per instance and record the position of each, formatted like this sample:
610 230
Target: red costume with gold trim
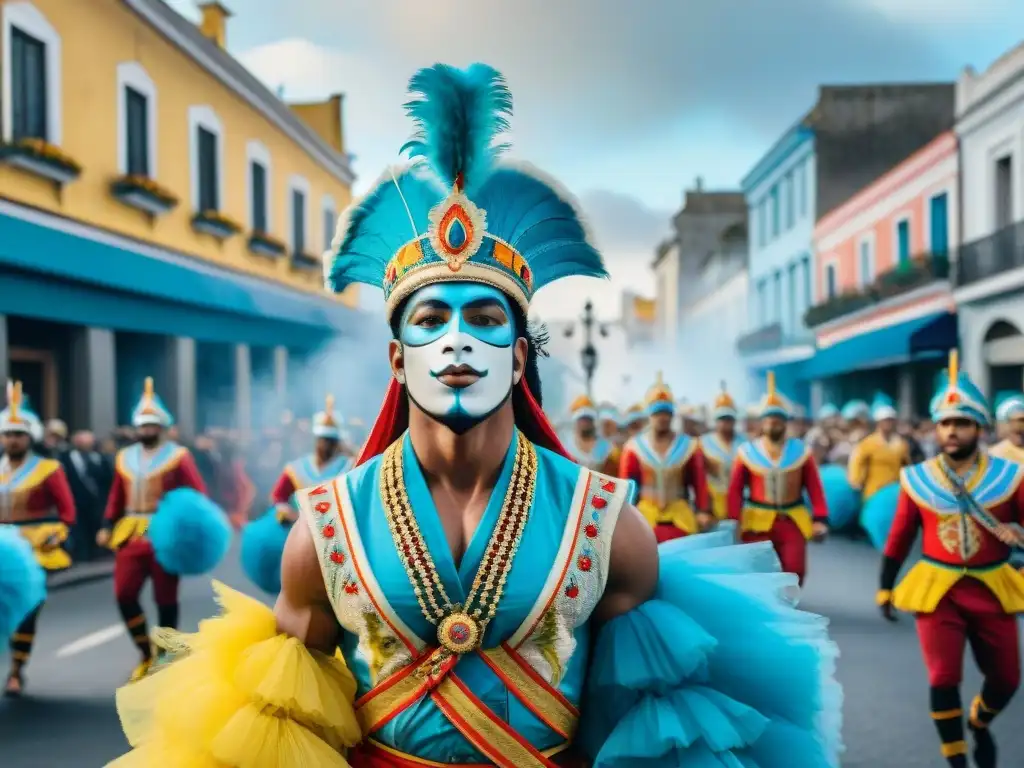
766 492
964 589
667 478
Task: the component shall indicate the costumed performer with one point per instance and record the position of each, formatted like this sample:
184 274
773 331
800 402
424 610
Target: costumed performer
1010 413
588 448
876 461
668 469
36 498
465 563
634 421
968 507
145 472
719 451
769 479
608 419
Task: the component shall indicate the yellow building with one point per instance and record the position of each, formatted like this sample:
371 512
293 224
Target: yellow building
161 212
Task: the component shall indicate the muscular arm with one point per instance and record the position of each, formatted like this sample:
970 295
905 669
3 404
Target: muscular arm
303 609
633 570
901 538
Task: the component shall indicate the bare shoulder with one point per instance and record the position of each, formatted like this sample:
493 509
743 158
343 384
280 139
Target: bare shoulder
303 607
633 567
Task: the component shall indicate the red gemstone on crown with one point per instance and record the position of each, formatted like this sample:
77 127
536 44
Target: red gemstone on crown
456 230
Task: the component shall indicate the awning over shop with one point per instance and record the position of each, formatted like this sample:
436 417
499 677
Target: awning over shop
923 337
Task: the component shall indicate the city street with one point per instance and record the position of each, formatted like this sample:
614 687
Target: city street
68 721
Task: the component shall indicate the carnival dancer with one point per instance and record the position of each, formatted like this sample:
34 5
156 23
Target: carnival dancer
467 558
144 473
634 421
877 460
1010 413
608 419
968 506
668 469
766 493
588 448
718 449
326 461
35 497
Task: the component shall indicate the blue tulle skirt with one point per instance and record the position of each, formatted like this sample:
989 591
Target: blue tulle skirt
190 534
22 580
843 501
878 513
719 669
262 546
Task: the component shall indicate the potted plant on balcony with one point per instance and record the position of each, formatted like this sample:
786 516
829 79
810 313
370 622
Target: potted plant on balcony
216 224
40 157
265 244
143 193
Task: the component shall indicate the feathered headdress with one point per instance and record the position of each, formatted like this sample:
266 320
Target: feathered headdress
457 213
18 416
957 397
773 404
325 423
725 406
659 397
150 409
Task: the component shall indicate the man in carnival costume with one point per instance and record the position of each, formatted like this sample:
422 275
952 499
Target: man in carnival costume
877 460
588 448
326 462
769 479
144 473
465 563
1010 414
668 469
608 420
35 497
719 451
634 421
968 506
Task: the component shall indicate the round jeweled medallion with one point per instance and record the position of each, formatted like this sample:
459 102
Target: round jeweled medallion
458 633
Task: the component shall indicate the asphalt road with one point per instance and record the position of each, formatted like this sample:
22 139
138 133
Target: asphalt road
68 720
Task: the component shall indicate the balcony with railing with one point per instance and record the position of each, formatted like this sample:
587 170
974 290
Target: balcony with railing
769 338
918 272
989 256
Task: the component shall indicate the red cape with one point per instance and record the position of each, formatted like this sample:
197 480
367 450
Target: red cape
393 420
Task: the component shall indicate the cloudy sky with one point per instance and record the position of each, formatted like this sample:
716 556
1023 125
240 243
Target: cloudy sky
627 103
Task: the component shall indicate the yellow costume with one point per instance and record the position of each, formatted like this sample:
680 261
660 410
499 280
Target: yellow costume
876 463
719 455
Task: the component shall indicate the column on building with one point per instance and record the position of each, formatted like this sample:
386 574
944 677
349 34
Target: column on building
181 392
281 377
905 392
817 398
5 354
94 387
243 389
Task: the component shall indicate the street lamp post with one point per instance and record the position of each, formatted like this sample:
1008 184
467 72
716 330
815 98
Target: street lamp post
588 354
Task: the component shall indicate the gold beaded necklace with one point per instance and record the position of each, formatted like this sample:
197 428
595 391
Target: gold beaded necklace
460 628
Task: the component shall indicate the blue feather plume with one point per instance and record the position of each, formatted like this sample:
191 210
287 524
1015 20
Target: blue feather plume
458 115
540 222
379 224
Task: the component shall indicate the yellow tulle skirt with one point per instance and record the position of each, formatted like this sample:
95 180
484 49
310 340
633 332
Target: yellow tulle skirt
240 695
54 558
927 583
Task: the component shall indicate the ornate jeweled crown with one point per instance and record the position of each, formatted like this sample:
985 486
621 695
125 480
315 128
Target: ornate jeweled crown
957 396
150 409
456 213
773 404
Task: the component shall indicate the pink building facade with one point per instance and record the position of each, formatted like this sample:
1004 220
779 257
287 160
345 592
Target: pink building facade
883 308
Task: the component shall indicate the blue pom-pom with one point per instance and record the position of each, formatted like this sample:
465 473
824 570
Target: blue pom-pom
262 546
22 580
878 513
843 501
190 534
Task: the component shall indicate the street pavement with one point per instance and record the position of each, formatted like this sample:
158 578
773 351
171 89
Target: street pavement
69 721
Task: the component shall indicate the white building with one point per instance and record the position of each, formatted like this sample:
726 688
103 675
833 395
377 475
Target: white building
989 278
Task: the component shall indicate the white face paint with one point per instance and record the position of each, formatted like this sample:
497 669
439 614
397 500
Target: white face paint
463 325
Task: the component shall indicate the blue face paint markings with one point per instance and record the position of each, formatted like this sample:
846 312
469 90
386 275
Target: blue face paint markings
456 324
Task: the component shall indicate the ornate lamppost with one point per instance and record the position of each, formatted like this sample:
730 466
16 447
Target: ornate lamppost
588 354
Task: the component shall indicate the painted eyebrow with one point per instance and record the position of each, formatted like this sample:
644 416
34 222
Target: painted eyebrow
484 303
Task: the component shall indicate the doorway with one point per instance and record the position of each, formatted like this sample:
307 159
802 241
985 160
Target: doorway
36 369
